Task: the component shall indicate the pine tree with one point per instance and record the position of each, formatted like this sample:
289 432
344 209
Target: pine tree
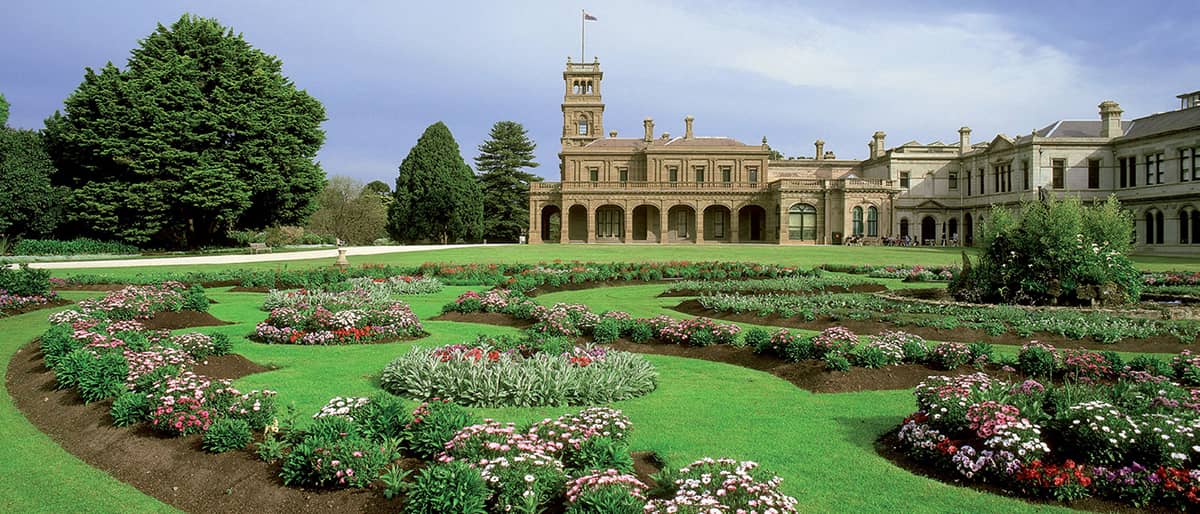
501 163
437 196
199 135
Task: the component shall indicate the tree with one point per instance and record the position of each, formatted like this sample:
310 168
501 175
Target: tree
775 155
200 134
29 203
348 211
501 162
437 196
3 111
379 187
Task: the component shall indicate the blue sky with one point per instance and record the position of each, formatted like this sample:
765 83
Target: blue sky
791 71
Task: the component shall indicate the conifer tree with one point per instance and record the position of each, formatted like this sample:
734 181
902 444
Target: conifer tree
3 111
501 163
437 195
201 133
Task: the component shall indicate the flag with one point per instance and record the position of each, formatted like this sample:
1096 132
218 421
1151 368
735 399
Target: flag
588 17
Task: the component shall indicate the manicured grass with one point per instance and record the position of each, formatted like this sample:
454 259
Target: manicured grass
820 444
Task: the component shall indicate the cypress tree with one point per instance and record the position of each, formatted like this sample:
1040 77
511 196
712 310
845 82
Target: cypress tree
501 162
437 195
200 134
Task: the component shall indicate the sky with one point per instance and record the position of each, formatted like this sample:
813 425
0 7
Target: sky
793 72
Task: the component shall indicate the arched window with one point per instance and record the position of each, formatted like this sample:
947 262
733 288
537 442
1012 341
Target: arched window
1184 230
904 227
1154 227
802 222
872 221
857 229
1195 227
583 125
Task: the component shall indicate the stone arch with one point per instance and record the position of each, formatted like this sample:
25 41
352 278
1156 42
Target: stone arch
577 224
928 229
968 230
752 223
952 229
1154 227
1189 225
717 219
904 230
551 219
802 222
681 223
856 221
646 220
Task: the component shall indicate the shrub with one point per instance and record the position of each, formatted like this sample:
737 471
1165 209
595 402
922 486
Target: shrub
1098 431
736 486
25 281
981 353
194 299
71 366
757 338
599 454
226 434
606 492
1037 359
80 246
452 487
873 357
640 332
130 408
776 344
342 459
383 418
607 330
836 340
103 378
836 362
433 424
950 356
529 482
799 349
1150 365
57 342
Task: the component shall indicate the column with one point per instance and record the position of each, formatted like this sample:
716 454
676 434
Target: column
535 225
733 226
591 224
699 225
628 232
663 223
564 226
783 221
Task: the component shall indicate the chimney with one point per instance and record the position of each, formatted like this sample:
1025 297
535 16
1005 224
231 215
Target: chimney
612 133
687 122
1110 119
829 156
649 124
964 140
877 149
666 136
820 149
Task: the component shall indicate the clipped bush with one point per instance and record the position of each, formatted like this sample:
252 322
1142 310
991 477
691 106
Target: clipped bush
226 434
452 487
80 246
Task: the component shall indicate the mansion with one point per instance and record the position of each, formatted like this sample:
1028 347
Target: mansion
695 189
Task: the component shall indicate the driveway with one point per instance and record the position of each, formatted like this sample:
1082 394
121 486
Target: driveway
330 254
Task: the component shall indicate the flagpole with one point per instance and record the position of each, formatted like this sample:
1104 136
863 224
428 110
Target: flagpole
582 35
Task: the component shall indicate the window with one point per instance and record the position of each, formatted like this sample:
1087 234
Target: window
623 173
953 180
981 179
968 182
1093 174
1195 164
802 222
996 183
1184 230
583 126
609 222
1057 167
1121 172
1128 169
1154 227
752 172
1025 174
681 224
726 174
872 221
719 225
673 173
904 179
1189 226
1158 168
1185 164
1008 177
699 174
858 221
594 174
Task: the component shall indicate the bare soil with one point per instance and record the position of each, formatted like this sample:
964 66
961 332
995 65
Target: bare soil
256 289
486 318
1156 344
172 320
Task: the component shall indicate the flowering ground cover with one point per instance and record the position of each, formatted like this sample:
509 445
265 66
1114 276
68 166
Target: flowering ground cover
358 315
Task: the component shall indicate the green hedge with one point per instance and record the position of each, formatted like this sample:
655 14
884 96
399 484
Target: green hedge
81 246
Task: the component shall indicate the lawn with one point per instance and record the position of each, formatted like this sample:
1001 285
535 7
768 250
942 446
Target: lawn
821 444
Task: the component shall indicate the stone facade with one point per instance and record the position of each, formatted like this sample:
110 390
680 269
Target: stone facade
692 189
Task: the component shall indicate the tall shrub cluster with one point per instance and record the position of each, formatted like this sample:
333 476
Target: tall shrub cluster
1057 251
199 134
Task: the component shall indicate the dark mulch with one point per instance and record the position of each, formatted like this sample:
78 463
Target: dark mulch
1156 344
486 318
172 320
174 470
888 446
858 288
256 289
809 375
646 465
230 366
57 302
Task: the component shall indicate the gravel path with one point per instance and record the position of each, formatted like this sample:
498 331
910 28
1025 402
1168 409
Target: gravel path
331 254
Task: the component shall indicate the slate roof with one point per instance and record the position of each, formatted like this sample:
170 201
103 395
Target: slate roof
1164 122
1077 128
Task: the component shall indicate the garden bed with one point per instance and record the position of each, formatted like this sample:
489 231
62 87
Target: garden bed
174 470
1157 344
580 286
485 318
57 302
858 288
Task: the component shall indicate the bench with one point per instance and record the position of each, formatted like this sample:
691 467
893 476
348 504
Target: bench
259 247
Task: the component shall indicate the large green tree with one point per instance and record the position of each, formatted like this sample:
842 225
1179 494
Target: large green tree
3 110
201 133
29 204
501 163
350 212
437 196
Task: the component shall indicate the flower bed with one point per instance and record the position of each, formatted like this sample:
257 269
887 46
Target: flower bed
1131 440
909 273
491 376
142 302
796 284
998 320
324 318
